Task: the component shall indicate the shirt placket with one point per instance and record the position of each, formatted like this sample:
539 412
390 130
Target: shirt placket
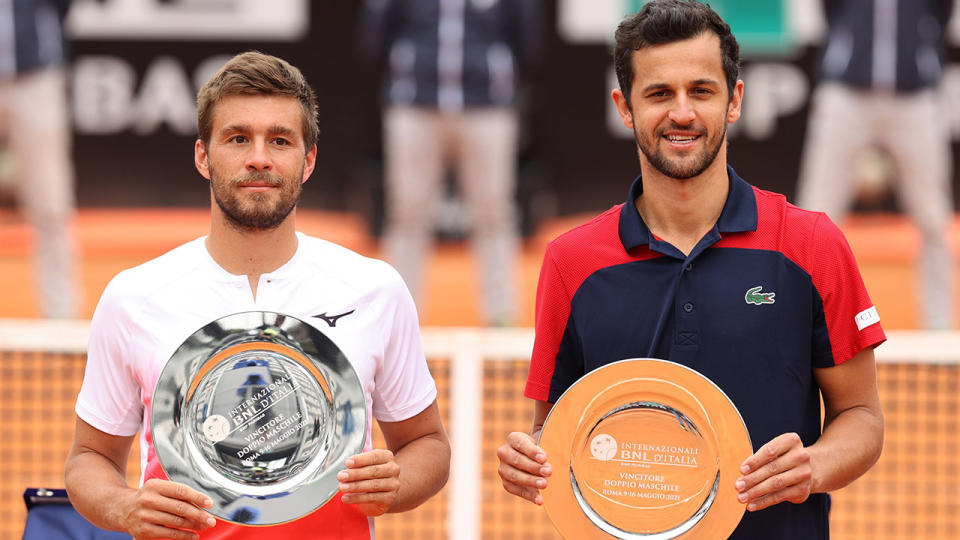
688 308
686 340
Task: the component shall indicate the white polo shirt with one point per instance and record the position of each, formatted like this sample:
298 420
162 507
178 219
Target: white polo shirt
148 311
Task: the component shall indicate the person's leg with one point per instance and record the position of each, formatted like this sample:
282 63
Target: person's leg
413 155
919 143
487 157
839 129
40 142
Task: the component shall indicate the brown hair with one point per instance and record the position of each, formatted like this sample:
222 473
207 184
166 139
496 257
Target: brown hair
667 21
255 73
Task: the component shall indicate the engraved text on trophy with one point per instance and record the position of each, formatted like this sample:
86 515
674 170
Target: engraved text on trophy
648 465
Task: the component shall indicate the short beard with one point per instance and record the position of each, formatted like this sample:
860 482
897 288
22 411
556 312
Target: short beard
675 170
256 219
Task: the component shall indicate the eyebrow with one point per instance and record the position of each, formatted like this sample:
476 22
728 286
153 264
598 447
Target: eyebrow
702 82
695 82
273 130
283 130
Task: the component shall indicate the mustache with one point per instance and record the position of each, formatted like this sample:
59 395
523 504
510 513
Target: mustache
257 177
699 130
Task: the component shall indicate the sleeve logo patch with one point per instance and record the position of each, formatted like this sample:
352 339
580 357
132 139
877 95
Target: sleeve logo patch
867 317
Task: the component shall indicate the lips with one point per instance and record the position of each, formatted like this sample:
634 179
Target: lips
258 185
681 139
257 182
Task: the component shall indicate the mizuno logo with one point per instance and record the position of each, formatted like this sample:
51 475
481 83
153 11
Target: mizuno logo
755 297
332 319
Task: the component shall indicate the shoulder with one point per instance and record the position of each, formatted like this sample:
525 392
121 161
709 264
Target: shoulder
575 255
132 286
347 267
139 299
799 227
600 231
807 237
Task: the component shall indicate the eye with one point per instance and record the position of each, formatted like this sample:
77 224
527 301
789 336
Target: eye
703 91
280 141
238 139
658 94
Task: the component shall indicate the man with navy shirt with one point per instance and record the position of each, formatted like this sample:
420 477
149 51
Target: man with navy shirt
703 269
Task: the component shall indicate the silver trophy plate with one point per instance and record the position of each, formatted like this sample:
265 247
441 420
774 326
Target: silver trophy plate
259 411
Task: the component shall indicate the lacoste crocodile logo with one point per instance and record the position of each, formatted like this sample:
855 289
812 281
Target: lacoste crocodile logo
332 319
755 297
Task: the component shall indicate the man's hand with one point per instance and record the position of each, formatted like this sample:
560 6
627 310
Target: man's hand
164 509
780 471
371 481
523 467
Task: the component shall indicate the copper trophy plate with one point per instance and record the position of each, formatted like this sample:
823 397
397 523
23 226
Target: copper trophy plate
644 449
259 411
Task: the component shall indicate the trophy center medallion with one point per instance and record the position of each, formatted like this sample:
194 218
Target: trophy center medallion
254 421
648 466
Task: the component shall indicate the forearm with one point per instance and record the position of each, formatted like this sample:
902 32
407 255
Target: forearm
97 489
850 444
424 467
540 412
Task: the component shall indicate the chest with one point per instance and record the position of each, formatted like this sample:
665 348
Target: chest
748 320
348 320
728 310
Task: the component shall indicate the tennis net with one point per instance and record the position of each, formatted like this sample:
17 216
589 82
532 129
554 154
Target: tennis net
912 492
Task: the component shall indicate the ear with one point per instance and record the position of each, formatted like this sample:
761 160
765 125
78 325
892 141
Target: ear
309 162
626 115
200 159
736 100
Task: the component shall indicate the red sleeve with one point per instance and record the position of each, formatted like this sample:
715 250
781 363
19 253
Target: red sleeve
852 321
552 312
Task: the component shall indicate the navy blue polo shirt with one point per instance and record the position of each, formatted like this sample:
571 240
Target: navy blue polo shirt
771 292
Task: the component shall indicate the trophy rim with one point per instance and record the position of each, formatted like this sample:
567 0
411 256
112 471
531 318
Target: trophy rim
560 500
299 336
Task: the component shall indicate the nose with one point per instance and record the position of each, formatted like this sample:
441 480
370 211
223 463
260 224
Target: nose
258 159
682 111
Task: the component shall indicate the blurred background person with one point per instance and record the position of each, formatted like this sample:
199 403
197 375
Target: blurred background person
450 75
34 124
878 82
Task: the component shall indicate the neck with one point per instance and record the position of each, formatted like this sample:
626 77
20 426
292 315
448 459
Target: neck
681 212
250 253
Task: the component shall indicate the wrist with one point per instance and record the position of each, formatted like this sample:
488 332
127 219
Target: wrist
119 509
818 484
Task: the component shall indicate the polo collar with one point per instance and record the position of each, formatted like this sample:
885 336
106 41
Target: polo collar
285 270
739 213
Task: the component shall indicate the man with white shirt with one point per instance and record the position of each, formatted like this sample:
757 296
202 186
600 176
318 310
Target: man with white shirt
257 145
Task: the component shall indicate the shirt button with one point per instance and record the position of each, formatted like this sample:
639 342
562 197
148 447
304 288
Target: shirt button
688 267
688 307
